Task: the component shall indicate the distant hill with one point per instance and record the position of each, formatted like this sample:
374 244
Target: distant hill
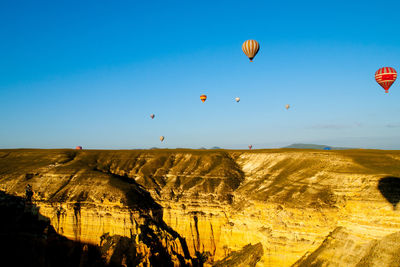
314 146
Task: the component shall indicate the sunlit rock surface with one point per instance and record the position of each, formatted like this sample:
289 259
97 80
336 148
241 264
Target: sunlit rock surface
210 205
343 248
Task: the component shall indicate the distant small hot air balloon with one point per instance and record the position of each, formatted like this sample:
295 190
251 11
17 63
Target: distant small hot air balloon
203 98
385 77
250 146
161 138
237 99
152 116
287 106
250 48
78 147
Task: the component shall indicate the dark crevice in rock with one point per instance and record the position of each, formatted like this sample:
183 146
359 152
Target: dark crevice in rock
213 246
196 227
140 199
77 220
123 250
137 197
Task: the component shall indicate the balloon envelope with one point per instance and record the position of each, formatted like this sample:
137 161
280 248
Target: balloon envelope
287 106
152 116
385 77
78 147
250 146
250 48
237 99
203 98
161 138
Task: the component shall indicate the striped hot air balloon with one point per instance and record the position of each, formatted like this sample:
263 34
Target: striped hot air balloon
250 48
203 98
385 77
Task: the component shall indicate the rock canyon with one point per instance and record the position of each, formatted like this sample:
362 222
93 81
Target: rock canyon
182 207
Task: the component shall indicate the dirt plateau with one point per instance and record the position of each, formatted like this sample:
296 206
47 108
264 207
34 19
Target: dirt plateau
282 207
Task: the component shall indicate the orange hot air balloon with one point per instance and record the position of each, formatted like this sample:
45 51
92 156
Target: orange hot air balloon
250 48
152 116
161 138
78 148
385 77
250 147
203 98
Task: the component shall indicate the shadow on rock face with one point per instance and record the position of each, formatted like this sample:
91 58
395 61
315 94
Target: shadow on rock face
28 239
390 189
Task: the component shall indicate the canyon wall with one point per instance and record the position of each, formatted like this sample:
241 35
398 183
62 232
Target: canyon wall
263 207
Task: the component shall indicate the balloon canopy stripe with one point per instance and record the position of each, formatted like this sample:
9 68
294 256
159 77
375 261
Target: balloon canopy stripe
250 48
385 77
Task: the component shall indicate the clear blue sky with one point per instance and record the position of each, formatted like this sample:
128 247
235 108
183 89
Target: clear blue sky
90 73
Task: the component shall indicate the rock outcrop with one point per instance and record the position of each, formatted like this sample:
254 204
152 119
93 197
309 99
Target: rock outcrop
247 257
28 239
209 205
343 248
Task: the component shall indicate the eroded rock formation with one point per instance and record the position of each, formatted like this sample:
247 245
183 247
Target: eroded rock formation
209 205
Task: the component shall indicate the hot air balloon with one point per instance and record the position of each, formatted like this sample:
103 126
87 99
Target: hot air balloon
203 98
250 48
152 116
250 146
78 147
385 77
161 138
237 99
287 106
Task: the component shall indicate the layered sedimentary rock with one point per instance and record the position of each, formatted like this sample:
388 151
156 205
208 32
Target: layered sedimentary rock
212 204
89 206
246 257
28 240
343 248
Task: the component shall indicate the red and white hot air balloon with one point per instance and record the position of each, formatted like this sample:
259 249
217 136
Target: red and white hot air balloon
203 98
250 48
385 77
152 116
250 146
78 147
